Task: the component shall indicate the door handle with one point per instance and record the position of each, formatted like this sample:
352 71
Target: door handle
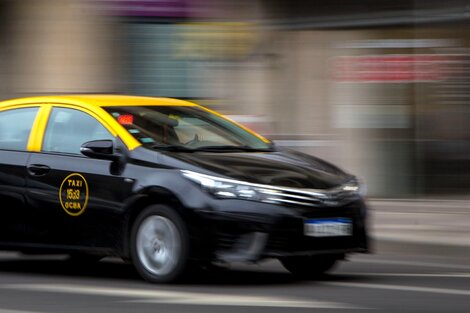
38 169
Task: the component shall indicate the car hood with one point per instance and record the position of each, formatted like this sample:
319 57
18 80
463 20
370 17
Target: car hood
280 168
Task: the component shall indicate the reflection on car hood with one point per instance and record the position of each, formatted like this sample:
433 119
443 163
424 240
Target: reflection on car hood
281 168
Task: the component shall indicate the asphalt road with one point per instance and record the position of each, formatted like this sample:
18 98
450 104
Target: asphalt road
381 282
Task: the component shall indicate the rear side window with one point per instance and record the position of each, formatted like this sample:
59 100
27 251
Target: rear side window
15 127
68 129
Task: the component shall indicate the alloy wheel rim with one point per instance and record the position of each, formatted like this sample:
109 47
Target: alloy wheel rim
158 245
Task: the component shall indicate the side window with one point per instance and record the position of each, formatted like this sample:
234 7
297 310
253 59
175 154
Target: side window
68 129
15 126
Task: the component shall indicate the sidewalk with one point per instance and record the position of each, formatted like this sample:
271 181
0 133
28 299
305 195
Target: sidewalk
433 226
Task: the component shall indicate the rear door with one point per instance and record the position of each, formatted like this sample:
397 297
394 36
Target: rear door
15 128
77 200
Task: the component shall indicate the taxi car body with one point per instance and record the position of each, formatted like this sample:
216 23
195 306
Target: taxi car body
165 183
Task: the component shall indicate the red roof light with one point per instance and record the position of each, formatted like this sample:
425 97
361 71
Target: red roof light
125 119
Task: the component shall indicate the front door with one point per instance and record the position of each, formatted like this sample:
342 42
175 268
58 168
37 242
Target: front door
77 200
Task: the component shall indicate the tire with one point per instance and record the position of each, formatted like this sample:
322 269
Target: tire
309 266
159 244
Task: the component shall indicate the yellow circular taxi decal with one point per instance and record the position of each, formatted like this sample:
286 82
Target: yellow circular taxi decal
73 194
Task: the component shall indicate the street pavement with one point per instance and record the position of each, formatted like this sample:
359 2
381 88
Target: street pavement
366 283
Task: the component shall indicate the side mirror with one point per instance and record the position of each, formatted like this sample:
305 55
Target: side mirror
100 149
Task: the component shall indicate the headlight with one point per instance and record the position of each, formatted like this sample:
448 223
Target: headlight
356 186
230 189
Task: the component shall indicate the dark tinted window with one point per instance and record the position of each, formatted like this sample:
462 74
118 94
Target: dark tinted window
68 129
15 126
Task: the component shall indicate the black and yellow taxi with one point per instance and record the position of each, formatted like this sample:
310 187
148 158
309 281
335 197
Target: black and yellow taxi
166 183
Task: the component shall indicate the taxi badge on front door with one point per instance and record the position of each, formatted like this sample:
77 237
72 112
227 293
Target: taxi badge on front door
73 194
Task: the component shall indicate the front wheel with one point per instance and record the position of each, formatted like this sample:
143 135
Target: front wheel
310 266
159 244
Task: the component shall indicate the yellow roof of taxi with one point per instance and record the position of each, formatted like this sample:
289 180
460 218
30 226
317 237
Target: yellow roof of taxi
98 100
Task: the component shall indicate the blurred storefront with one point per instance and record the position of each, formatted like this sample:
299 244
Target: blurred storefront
384 92
378 86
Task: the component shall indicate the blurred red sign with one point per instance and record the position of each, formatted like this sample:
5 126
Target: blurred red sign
390 68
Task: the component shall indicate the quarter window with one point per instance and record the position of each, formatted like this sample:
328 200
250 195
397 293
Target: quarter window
15 127
68 129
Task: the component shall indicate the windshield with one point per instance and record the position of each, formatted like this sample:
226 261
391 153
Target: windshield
185 128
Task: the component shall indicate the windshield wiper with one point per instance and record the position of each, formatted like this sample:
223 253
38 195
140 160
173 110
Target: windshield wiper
165 147
231 148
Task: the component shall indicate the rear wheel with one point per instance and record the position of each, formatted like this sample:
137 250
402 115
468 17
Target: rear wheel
159 244
310 266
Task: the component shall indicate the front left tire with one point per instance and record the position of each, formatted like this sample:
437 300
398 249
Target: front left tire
160 244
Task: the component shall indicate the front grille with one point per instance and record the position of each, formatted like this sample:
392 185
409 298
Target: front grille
338 196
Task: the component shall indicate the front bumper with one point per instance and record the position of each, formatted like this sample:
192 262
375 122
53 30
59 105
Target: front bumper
273 231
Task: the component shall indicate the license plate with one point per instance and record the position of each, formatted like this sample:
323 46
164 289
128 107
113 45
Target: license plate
328 227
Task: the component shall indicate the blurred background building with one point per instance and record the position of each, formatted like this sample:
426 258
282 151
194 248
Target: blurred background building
377 86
